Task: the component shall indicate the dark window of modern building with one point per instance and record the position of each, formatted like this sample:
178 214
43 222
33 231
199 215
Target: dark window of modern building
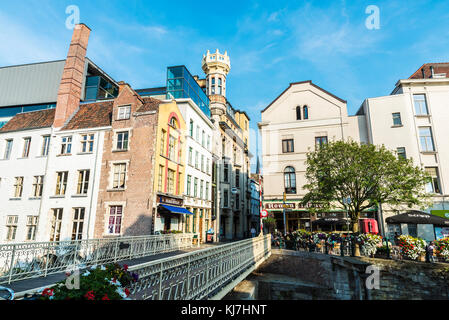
290 180
397 119
288 146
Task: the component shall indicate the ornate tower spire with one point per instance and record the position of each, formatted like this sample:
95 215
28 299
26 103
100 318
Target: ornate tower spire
216 66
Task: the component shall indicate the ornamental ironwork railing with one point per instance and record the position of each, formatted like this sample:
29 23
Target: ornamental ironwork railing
202 274
20 261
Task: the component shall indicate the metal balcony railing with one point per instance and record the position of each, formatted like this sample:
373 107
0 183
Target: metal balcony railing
38 259
203 274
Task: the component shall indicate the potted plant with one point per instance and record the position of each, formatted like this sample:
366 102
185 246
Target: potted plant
110 282
412 248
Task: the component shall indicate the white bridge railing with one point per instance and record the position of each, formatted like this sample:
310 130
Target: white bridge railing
38 259
204 274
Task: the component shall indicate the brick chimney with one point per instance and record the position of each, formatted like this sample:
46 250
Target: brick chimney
69 94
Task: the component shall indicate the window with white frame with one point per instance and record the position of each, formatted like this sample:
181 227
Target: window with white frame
124 113
397 121
197 156
433 186
207 191
87 143
18 187
45 145
122 140
61 183
201 189
83 181
195 187
190 156
11 227
115 220
172 148
171 181
56 224
202 163
426 139
31 227
8 149
401 153
38 185
119 180
26 147
189 185
163 146
420 104
78 223
160 178
66 145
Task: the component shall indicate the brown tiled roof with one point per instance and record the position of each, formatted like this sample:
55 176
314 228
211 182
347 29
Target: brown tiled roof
30 120
424 72
150 104
92 115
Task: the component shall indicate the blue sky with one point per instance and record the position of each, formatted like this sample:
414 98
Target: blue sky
271 43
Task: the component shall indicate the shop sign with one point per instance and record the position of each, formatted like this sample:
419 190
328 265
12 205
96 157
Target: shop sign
171 201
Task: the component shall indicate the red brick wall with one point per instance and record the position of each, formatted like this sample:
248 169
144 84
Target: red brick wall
137 211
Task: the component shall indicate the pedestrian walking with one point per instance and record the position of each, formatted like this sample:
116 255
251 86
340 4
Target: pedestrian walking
253 232
429 250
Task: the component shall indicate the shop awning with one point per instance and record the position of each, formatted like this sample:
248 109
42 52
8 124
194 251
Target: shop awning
174 209
418 217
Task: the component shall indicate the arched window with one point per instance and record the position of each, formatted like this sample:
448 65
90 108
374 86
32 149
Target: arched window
290 180
306 112
173 122
298 113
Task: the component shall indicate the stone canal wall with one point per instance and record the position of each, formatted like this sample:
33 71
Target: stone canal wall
295 275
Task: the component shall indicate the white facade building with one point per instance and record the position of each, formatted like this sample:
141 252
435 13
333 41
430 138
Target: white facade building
49 186
198 167
412 121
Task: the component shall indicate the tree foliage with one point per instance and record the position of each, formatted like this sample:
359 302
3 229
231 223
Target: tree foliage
367 174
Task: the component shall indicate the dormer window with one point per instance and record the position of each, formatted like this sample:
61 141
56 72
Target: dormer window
124 113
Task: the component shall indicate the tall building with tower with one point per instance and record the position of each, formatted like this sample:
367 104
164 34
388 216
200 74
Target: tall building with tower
231 148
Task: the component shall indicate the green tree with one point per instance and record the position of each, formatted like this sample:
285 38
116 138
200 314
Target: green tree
367 174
